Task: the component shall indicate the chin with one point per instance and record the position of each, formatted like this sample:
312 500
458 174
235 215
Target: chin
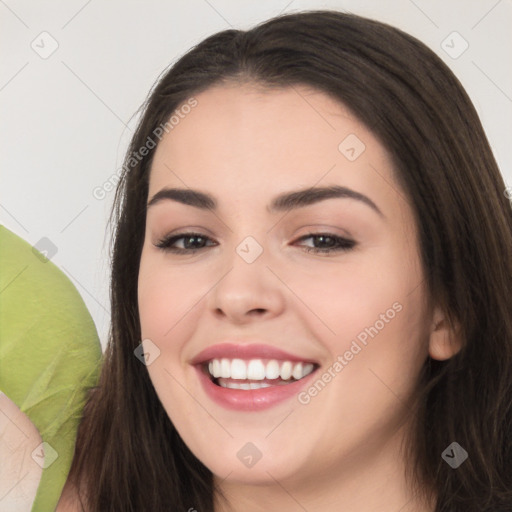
243 462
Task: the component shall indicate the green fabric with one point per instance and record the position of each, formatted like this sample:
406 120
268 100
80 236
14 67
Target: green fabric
50 354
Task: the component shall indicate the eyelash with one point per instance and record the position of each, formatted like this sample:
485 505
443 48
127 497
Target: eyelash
344 244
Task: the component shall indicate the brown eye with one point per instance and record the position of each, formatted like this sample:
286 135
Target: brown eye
328 243
192 242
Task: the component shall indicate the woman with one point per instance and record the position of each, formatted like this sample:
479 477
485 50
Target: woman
310 286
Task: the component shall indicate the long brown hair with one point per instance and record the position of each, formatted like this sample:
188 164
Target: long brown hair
129 456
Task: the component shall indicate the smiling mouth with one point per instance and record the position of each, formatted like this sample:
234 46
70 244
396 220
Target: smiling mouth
255 373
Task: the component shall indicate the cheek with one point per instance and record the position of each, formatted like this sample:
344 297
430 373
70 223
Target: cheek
384 346
353 295
376 354
371 314
166 299
165 296
156 304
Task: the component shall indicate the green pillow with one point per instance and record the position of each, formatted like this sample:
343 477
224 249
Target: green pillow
50 354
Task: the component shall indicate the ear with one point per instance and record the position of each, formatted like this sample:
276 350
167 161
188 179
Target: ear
445 340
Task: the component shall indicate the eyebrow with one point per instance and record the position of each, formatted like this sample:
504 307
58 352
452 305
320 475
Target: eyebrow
283 202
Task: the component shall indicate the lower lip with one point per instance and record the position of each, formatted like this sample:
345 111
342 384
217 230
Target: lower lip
250 399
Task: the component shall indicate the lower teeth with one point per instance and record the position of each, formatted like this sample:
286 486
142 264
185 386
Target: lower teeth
225 383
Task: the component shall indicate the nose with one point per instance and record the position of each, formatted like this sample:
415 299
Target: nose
247 292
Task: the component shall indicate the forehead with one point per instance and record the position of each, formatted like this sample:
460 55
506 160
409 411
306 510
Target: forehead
245 137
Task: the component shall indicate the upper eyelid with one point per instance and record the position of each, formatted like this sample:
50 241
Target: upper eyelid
318 228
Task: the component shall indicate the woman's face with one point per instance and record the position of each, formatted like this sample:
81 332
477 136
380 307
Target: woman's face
259 303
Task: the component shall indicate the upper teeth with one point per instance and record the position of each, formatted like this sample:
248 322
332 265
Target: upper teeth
256 369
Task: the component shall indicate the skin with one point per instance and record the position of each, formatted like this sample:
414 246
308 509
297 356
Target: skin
19 473
245 145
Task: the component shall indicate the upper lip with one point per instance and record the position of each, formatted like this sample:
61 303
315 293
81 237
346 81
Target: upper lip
252 351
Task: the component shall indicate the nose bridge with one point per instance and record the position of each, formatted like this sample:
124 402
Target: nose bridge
247 285
250 249
249 236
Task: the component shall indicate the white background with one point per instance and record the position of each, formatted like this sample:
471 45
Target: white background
66 119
